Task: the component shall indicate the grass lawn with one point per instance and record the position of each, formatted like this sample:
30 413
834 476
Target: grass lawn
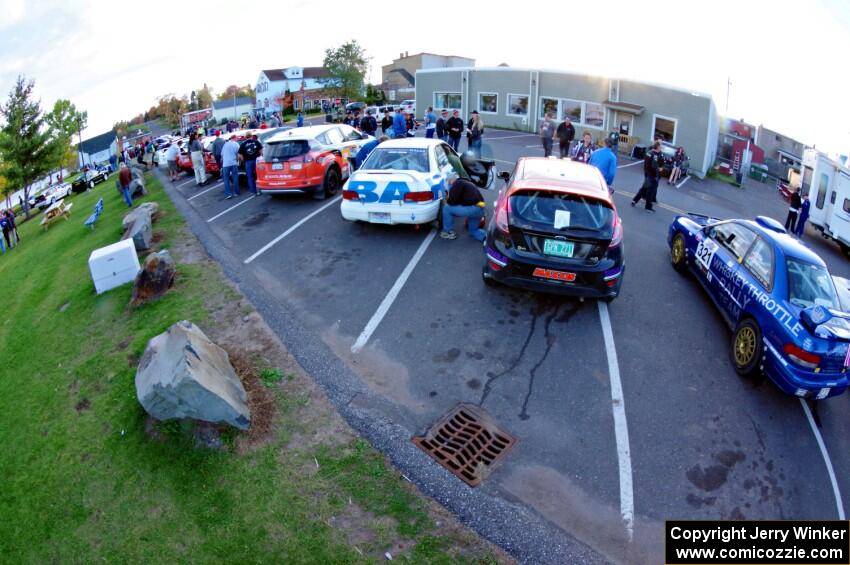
85 478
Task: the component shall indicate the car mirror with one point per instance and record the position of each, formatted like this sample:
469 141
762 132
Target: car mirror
504 175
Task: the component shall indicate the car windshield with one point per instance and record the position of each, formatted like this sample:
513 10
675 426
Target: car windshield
810 285
400 159
562 211
286 149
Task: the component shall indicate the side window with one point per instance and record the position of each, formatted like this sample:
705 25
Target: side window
455 161
822 186
334 136
759 262
832 198
442 159
323 139
350 134
847 205
734 237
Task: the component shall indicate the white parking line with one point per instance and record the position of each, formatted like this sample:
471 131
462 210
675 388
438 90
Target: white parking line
220 214
826 459
392 294
184 183
538 146
294 227
217 185
621 429
629 165
683 182
487 138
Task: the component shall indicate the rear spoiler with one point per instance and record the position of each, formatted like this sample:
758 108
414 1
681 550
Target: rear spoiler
826 323
702 219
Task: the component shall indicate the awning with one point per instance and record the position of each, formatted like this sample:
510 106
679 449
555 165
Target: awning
789 156
635 109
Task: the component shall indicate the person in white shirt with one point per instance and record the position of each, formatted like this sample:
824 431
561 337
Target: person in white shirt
230 167
171 159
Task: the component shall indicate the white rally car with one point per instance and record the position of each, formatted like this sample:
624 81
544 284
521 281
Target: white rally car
401 182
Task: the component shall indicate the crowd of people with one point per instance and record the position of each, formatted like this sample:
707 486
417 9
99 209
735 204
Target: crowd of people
10 231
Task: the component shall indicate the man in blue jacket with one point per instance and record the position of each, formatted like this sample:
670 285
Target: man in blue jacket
606 161
366 149
399 125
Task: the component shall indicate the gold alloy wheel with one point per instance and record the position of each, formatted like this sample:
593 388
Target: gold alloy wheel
678 251
745 346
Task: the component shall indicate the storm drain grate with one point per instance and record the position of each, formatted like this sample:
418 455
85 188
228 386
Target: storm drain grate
467 442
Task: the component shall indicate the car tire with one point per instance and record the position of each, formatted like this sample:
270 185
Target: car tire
845 249
679 253
747 348
91 184
331 184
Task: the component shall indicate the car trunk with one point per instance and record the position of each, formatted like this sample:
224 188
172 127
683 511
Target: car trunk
286 159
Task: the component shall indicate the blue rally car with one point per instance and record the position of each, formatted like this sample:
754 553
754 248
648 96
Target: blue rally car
776 294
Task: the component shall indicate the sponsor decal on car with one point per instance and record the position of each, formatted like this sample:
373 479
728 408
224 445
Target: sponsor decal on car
554 275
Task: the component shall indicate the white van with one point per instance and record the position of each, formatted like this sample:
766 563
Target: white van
828 185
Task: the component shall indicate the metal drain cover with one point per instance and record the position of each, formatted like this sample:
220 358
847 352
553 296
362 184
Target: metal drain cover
467 442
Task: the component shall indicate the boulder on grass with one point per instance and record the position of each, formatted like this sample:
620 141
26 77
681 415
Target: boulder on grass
146 209
141 231
183 374
137 188
155 278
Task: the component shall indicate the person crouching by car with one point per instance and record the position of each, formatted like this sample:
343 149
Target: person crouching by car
678 159
464 201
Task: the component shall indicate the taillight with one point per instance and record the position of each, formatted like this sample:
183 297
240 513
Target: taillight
419 196
503 209
801 357
350 195
617 238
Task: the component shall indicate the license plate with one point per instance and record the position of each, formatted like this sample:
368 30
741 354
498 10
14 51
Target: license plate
554 275
558 248
380 218
277 167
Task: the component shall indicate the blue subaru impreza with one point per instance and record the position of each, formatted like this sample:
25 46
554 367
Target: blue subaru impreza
776 294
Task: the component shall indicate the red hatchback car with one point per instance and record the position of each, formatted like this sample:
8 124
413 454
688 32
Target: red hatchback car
312 159
555 229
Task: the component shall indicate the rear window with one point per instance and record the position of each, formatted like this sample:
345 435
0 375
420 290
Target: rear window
562 211
810 285
286 149
402 159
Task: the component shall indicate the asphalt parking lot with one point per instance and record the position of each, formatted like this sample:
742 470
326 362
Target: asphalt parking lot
626 414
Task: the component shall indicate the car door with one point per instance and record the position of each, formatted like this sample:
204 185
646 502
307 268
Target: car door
759 268
718 260
351 140
446 169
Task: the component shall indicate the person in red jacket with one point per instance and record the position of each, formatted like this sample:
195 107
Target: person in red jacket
125 177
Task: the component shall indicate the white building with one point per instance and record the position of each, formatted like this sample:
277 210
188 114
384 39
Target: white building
232 108
272 85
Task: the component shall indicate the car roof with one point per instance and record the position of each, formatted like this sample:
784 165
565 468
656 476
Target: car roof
788 244
560 175
419 142
306 132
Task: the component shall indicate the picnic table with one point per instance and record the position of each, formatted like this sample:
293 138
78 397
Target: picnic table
56 210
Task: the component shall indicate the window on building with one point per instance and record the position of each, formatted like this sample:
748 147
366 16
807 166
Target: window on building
571 109
449 100
778 138
594 114
488 102
665 128
294 103
517 105
548 106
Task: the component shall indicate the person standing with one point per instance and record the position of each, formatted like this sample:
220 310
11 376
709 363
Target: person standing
430 123
366 149
230 167
653 162
216 148
442 128
566 133
793 212
606 161
678 159
585 149
387 124
368 124
804 215
13 227
125 177
171 159
355 121
399 125
196 150
464 201
547 131
476 131
4 224
299 121
455 130
250 150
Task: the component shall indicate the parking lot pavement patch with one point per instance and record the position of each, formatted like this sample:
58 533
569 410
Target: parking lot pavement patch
467 442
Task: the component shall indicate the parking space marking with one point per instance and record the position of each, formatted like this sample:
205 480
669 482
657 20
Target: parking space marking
826 459
184 183
388 300
629 165
511 136
621 429
237 205
538 146
294 227
503 161
683 182
216 185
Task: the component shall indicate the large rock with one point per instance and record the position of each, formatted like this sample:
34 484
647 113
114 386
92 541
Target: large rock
147 209
141 231
137 188
155 278
184 375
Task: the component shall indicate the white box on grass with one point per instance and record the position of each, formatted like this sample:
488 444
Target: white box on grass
113 265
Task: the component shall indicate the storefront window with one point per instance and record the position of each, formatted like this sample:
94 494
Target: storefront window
571 109
548 106
517 104
488 102
448 100
594 114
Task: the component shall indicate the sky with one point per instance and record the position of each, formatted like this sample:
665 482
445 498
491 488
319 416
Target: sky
786 60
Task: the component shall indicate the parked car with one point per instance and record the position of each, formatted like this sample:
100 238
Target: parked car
555 229
776 295
310 159
88 179
380 111
50 195
408 106
184 163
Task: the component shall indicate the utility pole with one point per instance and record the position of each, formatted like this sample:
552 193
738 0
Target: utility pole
728 84
80 146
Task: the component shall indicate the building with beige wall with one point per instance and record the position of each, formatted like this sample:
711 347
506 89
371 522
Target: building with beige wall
398 79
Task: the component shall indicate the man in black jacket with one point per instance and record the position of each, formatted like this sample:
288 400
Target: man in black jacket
386 122
566 133
442 125
464 201
793 211
652 165
455 127
368 124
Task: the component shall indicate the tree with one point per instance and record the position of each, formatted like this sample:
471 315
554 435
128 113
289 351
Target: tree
237 91
28 147
347 66
65 121
205 97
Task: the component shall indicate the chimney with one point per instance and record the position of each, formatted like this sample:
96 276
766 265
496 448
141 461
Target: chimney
405 53
401 55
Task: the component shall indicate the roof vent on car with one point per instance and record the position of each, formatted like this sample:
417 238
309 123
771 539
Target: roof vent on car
770 224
